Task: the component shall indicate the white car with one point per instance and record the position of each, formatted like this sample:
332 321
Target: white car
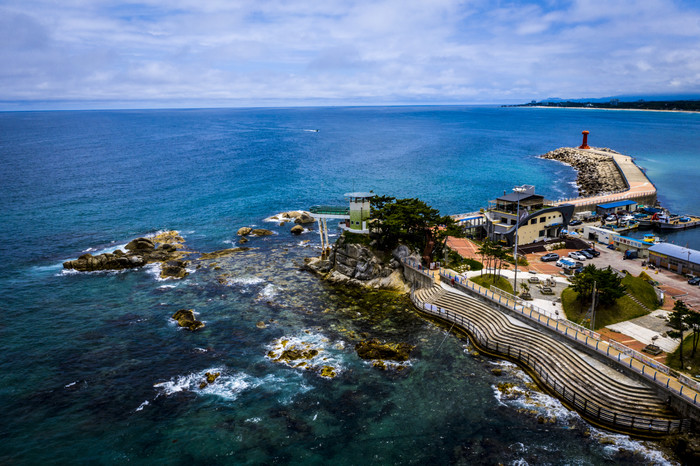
611 218
577 255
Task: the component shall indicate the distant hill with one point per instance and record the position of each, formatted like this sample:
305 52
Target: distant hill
641 104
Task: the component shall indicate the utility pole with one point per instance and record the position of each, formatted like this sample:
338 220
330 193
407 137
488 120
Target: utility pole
593 306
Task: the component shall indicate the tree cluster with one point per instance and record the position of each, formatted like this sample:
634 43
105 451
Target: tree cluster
493 255
607 283
681 320
411 222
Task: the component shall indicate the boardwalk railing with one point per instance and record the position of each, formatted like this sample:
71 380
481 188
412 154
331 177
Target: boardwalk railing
581 401
595 200
659 374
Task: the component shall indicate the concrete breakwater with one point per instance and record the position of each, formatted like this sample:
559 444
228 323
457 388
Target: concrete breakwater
597 172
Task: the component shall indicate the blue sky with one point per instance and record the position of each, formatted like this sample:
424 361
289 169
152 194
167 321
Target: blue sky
203 53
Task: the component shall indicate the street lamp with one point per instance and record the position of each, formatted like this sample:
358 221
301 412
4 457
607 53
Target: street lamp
518 190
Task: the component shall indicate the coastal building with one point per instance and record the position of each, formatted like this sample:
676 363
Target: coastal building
534 217
675 258
353 218
614 207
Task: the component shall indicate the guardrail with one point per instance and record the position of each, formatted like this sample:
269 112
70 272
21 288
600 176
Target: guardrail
594 200
654 371
580 401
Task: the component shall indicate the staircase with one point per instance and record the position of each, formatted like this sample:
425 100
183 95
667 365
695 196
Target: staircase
600 398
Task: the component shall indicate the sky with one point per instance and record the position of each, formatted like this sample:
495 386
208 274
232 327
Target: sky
228 53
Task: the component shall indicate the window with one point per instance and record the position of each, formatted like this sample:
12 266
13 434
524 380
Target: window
541 233
512 221
532 222
542 219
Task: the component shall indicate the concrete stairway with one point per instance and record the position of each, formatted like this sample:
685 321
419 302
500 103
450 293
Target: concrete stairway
557 365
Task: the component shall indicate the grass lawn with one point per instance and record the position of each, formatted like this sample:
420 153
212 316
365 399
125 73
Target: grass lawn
623 309
641 289
487 280
460 264
673 359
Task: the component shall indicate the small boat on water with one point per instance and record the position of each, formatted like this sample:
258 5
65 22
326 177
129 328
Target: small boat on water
663 220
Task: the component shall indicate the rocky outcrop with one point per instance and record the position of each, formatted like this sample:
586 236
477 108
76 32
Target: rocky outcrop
185 318
139 252
296 216
243 231
261 232
356 264
174 269
209 378
597 173
221 253
375 349
297 230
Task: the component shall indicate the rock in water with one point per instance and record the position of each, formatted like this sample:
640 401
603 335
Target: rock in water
140 244
174 269
141 251
304 218
261 232
297 229
221 253
185 318
374 349
243 231
210 378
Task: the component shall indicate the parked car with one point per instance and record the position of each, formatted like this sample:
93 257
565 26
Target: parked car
565 262
577 255
573 223
610 218
586 253
592 252
630 254
549 257
694 281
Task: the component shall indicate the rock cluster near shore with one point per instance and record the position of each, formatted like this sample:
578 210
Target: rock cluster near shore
163 248
358 265
597 173
300 217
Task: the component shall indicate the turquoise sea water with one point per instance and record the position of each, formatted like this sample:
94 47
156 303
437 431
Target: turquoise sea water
93 368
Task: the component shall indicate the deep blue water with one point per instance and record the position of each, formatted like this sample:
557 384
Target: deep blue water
93 368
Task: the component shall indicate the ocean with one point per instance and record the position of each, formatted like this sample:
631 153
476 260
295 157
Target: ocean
93 369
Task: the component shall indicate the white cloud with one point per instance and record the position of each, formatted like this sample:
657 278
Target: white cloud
382 51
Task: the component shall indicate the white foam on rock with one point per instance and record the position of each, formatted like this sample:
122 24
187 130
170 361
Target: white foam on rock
227 386
328 353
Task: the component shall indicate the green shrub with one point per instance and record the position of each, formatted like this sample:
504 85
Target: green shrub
489 280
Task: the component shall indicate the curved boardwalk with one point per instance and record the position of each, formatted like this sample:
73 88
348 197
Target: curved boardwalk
600 398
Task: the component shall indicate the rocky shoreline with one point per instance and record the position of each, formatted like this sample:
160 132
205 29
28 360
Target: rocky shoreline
355 264
597 173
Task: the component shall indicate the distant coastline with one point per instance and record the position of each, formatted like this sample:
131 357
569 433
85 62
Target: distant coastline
678 106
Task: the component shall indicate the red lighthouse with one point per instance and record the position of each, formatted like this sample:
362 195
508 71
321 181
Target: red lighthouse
584 144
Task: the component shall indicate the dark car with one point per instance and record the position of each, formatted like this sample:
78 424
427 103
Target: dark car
573 223
592 252
550 257
587 254
694 281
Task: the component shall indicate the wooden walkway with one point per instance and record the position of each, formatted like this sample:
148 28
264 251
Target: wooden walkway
597 396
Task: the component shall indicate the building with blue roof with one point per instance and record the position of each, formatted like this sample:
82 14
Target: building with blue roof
612 207
675 258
